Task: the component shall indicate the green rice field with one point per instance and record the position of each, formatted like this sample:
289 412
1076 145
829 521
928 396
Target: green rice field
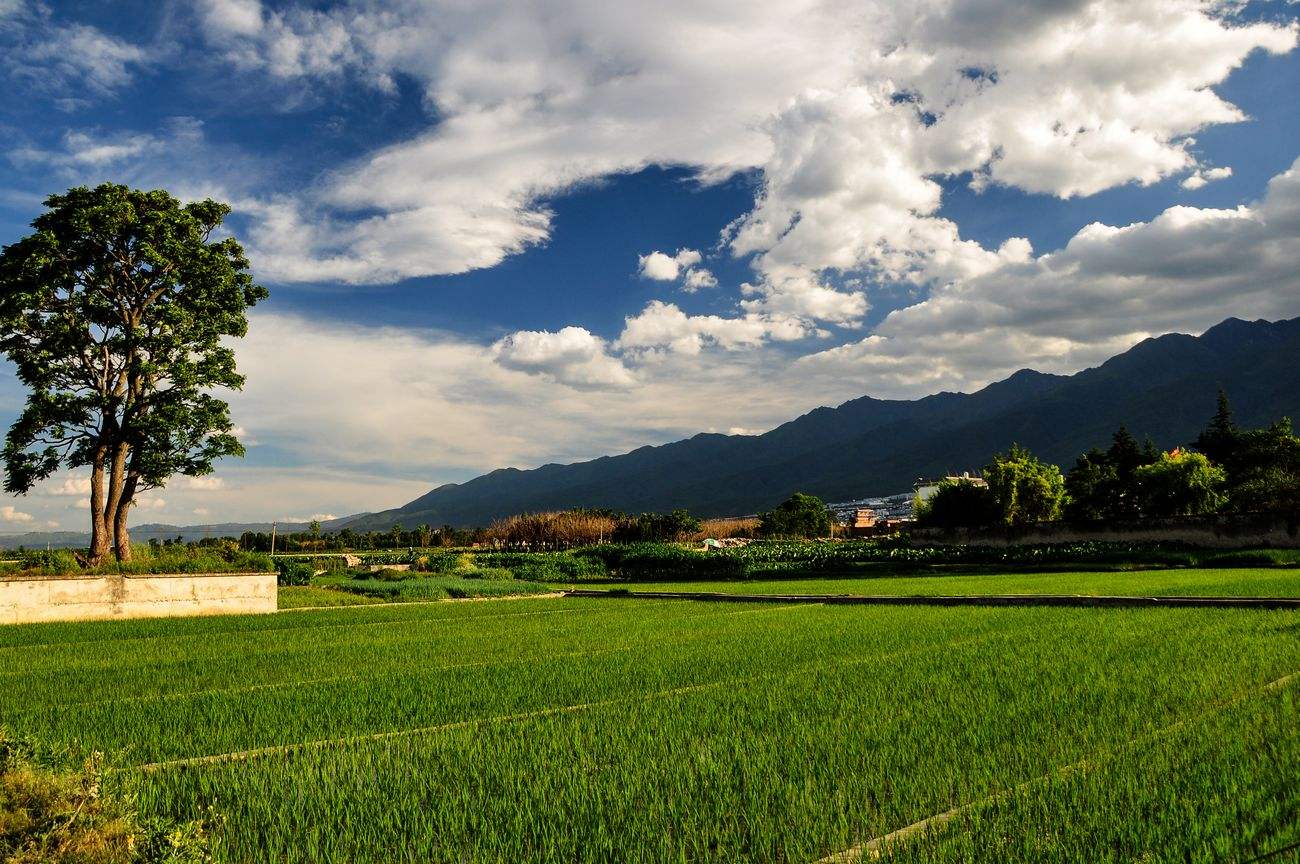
1244 582
606 730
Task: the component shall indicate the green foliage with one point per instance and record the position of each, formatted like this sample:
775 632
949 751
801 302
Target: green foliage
1182 484
114 313
643 561
1103 484
54 814
1026 489
800 515
490 583
958 503
656 527
290 572
1263 469
173 558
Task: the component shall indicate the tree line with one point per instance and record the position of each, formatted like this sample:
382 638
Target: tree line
1226 469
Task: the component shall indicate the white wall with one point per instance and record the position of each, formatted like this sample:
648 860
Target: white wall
144 596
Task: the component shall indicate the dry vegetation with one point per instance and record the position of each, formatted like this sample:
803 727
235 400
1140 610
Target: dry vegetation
552 530
719 529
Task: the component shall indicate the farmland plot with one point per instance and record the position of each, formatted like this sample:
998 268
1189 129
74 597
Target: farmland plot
565 730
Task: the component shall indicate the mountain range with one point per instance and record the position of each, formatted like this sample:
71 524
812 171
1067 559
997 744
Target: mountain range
1164 388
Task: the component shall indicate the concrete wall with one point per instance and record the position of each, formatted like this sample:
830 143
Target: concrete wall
145 596
1244 531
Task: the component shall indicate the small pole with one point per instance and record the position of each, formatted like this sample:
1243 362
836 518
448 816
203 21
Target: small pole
272 538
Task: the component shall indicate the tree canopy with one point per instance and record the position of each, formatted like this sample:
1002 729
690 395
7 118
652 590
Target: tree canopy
958 503
113 311
1181 483
1026 489
799 515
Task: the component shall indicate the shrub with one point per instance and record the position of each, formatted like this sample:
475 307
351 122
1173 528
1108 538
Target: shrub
60 815
291 572
960 503
799 515
164 559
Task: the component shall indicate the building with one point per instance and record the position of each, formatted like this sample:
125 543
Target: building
926 487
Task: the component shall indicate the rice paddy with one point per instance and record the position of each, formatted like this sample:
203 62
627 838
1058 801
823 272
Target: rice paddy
1245 582
593 730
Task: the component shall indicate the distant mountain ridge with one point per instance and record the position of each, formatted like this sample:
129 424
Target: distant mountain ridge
1164 388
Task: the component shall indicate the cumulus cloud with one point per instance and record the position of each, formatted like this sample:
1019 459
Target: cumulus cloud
1200 178
10 514
572 356
208 482
663 267
848 110
1110 287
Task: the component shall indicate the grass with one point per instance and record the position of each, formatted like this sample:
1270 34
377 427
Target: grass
145 559
432 587
576 731
1192 582
306 596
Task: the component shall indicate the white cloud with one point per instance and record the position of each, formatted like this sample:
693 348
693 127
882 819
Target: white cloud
89 151
1066 98
207 481
663 267
664 326
70 485
572 356
666 268
697 278
8 513
76 57
1200 178
1110 287
150 502
234 17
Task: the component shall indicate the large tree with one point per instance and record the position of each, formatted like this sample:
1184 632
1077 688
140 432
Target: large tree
114 311
1026 489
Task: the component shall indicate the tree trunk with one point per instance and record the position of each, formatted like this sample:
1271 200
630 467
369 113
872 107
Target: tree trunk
116 481
121 537
101 539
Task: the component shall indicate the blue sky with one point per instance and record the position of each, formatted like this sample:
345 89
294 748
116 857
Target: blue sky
506 235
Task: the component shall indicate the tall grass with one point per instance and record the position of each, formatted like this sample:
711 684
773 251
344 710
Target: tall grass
553 530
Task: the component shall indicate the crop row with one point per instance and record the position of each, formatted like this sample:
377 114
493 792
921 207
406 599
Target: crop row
600 731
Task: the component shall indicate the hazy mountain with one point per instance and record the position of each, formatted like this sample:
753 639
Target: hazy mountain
1163 388
147 532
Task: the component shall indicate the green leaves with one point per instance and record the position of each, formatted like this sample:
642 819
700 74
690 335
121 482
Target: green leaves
114 311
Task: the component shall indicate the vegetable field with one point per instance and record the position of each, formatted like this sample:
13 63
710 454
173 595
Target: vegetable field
594 730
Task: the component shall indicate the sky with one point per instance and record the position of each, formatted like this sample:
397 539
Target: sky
512 233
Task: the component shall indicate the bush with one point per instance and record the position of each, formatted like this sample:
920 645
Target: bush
54 814
799 515
958 503
651 561
146 559
290 572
